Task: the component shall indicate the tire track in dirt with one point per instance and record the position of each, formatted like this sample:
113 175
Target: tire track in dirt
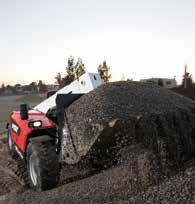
13 173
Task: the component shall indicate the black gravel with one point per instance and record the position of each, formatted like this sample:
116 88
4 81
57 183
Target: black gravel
141 113
123 183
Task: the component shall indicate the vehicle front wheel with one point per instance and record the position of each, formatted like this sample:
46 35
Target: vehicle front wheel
43 166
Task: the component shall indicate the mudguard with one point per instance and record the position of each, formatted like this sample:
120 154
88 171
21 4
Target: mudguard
39 139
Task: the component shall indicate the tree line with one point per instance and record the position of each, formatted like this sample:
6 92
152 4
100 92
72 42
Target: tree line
187 81
33 87
75 68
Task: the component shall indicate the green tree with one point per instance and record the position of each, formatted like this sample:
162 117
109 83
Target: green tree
42 86
11 89
8 87
17 85
74 69
70 72
104 70
2 87
187 81
79 68
32 86
70 68
67 80
58 79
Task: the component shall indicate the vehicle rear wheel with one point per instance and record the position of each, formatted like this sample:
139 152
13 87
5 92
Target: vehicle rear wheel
43 166
11 147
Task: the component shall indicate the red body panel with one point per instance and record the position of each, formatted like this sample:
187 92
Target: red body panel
20 138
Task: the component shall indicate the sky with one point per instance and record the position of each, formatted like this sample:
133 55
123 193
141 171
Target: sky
140 39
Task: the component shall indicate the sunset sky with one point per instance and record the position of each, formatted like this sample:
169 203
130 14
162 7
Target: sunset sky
141 39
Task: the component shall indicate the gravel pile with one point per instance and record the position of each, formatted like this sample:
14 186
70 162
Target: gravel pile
177 189
124 113
145 129
123 183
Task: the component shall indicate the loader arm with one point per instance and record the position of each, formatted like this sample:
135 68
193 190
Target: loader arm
84 84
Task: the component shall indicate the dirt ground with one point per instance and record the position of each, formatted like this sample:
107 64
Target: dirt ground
123 183
10 103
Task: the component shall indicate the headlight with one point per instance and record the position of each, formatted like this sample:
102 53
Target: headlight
35 124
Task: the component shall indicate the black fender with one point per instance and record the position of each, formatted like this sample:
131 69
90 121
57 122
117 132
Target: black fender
39 139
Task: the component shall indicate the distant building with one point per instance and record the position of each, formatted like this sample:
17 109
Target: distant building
164 82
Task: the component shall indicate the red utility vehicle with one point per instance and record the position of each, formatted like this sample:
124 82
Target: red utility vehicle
37 135
33 139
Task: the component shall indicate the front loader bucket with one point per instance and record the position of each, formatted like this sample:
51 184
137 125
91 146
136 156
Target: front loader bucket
118 114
